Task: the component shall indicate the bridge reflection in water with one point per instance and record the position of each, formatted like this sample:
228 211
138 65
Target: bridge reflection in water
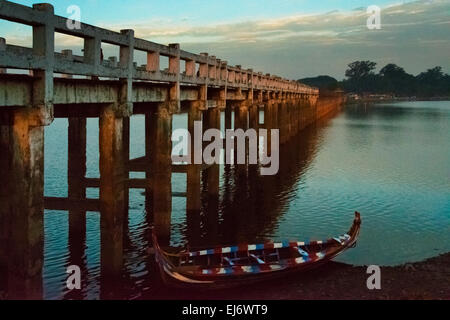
227 205
64 85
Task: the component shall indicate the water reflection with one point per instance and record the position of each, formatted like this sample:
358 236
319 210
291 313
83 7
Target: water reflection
228 204
388 161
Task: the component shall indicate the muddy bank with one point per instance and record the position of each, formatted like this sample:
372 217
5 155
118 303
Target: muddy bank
429 279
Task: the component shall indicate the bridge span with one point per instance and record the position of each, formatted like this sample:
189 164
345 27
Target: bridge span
38 84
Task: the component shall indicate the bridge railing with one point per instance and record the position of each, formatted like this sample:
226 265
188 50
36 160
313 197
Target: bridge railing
200 69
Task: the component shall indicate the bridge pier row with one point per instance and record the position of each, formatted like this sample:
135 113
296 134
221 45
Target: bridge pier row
22 209
161 169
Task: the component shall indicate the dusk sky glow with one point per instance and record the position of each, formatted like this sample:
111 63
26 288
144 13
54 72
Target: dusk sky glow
291 38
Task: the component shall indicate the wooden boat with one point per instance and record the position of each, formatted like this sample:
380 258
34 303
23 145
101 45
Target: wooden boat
243 264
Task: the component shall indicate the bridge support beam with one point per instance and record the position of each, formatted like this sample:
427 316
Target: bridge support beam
271 117
22 209
211 120
241 122
193 201
112 193
193 179
76 174
161 169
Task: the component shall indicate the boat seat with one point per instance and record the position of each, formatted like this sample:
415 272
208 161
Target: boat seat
229 261
260 261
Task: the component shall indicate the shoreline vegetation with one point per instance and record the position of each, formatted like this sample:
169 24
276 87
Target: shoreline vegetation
425 280
391 82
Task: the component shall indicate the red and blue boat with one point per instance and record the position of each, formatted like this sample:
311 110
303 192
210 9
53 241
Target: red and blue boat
246 263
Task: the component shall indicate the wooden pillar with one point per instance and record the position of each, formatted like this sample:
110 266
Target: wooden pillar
148 150
193 183
76 174
282 120
269 123
22 206
228 117
44 47
161 170
4 206
126 155
193 201
241 122
112 194
253 121
211 120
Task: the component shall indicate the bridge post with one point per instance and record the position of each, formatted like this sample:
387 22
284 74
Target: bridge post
23 138
126 84
174 68
2 48
126 155
44 46
4 208
211 120
161 169
22 209
241 122
112 192
76 174
193 201
76 191
269 120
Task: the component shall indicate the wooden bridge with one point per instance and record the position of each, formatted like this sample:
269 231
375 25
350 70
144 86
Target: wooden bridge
63 85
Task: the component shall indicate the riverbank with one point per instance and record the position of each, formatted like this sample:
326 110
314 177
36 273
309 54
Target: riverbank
392 100
425 280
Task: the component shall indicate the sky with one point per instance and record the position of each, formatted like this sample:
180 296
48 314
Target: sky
289 38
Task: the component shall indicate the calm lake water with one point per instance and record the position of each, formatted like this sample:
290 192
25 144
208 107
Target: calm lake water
391 162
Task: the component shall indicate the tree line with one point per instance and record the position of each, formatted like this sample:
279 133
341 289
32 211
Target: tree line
391 79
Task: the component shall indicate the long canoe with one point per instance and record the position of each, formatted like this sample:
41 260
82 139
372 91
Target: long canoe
246 263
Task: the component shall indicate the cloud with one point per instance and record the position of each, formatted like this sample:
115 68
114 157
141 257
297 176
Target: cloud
415 35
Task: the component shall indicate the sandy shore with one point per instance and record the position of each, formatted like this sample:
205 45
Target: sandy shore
429 279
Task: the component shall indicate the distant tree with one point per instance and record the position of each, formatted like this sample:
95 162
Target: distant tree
360 69
321 82
394 80
433 82
360 77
